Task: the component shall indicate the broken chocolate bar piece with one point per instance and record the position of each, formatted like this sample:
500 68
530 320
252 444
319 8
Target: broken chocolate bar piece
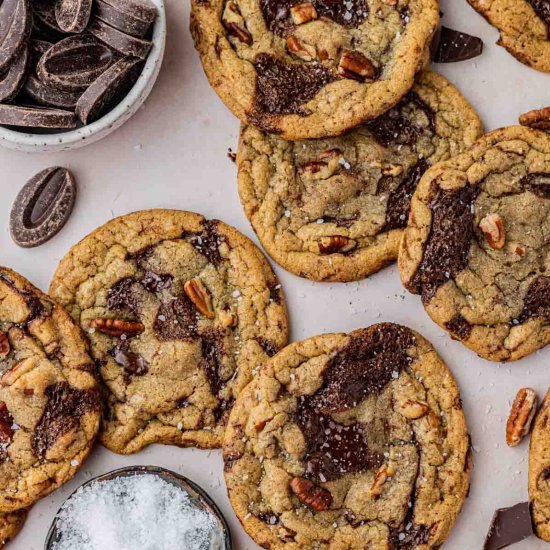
450 46
508 526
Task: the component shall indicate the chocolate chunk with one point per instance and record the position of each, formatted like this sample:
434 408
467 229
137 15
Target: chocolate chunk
333 449
538 183
459 326
450 46
133 363
36 117
365 366
351 13
212 352
508 526
123 21
269 348
108 90
448 245
123 296
64 409
411 536
208 242
282 88
15 29
45 22
42 207
395 127
399 201
74 63
156 283
49 96
176 319
73 15
537 300
141 9
12 80
542 9
125 44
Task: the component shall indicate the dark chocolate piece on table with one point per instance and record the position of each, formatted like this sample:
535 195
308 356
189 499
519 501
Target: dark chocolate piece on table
508 526
450 45
42 207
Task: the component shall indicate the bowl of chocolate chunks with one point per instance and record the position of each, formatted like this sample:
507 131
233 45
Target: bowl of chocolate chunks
73 71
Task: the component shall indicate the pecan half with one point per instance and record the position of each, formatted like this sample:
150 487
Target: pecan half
240 33
302 13
384 472
355 66
521 415
6 423
537 118
414 409
4 345
315 497
492 227
200 296
335 243
301 49
117 327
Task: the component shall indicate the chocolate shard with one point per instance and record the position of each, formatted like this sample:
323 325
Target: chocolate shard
36 117
125 44
508 526
13 79
108 90
121 20
42 207
73 16
450 46
74 63
15 29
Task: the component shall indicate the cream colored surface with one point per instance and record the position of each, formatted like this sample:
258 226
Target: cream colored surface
172 154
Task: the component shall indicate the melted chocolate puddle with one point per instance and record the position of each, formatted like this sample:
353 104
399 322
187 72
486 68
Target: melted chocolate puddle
64 408
348 13
448 246
365 366
537 300
538 184
282 88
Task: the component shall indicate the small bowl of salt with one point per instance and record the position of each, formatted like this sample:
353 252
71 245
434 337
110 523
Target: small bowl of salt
143 507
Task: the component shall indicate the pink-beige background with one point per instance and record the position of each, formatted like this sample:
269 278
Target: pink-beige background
173 154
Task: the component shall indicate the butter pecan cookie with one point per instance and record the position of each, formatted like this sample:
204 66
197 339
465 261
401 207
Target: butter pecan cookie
311 69
10 525
524 27
477 247
349 441
49 398
179 310
539 471
335 209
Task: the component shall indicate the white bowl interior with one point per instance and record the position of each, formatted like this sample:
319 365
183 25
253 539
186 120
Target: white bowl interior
72 139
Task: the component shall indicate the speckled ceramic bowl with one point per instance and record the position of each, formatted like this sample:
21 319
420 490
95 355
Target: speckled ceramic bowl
64 140
197 495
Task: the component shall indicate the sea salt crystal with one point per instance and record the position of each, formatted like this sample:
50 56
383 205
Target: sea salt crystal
126 513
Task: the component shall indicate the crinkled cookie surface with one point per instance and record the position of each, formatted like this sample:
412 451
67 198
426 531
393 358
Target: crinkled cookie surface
524 27
10 525
49 398
335 209
180 311
477 247
349 441
311 69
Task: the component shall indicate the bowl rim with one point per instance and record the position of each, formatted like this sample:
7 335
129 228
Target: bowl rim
149 470
44 141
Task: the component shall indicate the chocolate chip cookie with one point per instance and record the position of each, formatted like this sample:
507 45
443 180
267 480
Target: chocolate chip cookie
335 209
49 398
349 441
180 311
311 69
477 245
539 471
10 525
524 27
